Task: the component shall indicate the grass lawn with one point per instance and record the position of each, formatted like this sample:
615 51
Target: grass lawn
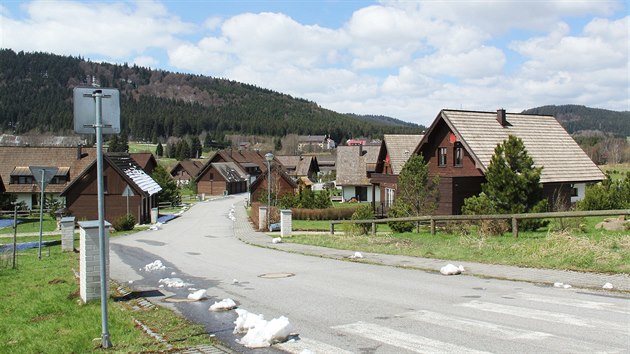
593 251
31 224
324 225
41 313
617 171
142 147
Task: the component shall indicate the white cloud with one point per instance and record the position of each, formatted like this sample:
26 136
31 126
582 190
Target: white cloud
145 61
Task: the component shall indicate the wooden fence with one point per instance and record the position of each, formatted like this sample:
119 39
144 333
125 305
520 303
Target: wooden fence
433 219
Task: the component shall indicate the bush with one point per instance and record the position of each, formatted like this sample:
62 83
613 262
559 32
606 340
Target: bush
364 212
399 210
124 223
323 214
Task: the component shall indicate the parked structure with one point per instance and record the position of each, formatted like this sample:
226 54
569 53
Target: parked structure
459 146
394 152
355 165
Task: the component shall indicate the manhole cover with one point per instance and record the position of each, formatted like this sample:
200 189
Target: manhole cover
276 275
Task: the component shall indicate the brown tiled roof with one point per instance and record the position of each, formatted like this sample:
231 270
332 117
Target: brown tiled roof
24 156
352 166
546 141
142 158
191 167
400 147
245 158
297 165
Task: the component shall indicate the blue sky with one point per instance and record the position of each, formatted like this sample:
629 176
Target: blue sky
401 58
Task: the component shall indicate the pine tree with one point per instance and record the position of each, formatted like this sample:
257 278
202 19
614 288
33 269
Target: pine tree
195 147
159 150
170 192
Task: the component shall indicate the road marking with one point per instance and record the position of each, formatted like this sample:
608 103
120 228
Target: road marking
585 304
414 343
506 333
542 315
312 345
475 326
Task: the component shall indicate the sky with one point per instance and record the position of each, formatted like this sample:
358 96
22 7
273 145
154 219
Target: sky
401 58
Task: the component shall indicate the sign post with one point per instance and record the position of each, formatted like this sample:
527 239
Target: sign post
127 192
93 115
43 175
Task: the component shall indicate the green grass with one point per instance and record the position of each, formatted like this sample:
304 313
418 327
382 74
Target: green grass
324 225
592 251
142 147
617 171
31 224
41 312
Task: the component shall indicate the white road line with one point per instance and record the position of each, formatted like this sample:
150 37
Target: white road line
475 326
403 340
534 338
312 345
585 304
542 315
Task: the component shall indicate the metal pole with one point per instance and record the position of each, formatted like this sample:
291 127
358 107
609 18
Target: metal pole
98 97
41 217
14 235
268 195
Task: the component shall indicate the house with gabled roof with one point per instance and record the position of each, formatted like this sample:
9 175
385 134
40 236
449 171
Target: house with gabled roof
300 166
219 178
119 172
355 164
18 180
185 171
394 152
281 183
145 160
459 145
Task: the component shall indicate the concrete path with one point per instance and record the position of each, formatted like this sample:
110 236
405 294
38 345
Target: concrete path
621 282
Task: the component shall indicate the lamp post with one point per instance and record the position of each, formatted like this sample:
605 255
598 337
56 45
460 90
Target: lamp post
269 158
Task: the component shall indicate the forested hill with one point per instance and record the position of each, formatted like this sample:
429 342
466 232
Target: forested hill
36 92
576 119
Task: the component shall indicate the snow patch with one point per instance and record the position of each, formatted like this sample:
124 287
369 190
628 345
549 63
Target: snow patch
450 269
607 286
276 240
561 285
356 255
156 226
223 305
197 295
173 283
155 265
261 333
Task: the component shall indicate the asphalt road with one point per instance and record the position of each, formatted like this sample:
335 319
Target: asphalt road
348 307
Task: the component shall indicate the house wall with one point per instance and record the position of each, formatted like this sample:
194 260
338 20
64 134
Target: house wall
82 200
349 192
278 185
211 186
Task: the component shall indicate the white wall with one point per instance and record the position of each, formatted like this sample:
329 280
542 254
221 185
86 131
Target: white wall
349 192
581 191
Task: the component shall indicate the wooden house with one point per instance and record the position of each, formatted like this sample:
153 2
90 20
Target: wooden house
18 180
119 172
459 145
222 178
394 152
281 184
185 171
145 160
300 166
355 164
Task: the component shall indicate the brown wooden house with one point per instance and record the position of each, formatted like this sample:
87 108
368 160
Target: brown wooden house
119 171
459 146
281 184
222 178
185 171
300 166
394 152
18 180
145 160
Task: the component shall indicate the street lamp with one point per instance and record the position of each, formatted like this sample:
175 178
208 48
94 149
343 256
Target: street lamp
269 158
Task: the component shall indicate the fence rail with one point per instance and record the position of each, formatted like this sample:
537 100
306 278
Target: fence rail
433 219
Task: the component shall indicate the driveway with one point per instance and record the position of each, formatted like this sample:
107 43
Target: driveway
338 306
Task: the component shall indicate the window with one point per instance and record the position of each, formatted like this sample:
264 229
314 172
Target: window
459 152
442 156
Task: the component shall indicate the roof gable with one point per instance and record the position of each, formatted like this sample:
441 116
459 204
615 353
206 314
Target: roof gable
546 141
399 148
352 166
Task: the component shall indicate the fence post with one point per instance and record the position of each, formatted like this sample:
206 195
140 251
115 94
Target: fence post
373 228
514 227
332 228
432 226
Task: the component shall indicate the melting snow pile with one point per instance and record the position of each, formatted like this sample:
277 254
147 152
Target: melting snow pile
223 305
172 283
276 240
197 295
156 265
261 333
356 255
450 269
607 286
561 285
156 226
231 213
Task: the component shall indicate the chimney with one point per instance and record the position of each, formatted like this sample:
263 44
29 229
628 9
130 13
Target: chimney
360 149
79 152
501 117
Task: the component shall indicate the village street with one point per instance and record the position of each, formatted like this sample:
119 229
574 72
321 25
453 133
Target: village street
350 307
